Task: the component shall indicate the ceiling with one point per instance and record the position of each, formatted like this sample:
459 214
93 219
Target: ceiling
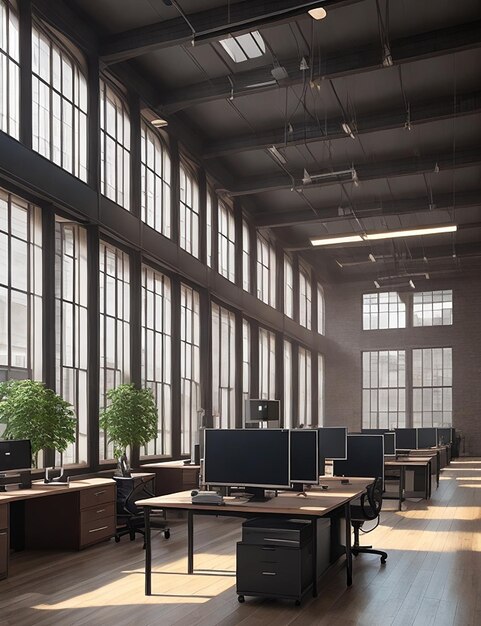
403 74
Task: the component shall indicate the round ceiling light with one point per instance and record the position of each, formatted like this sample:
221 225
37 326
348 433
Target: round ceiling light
319 13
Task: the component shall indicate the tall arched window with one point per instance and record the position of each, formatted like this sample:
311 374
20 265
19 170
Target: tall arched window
156 176
9 69
114 145
59 102
189 210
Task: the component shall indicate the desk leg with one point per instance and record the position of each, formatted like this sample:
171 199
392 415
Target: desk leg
347 515
402 471
314 557
148 553
428 480
190 542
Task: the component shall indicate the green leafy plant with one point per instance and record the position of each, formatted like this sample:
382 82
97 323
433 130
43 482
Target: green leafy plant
30 410
130 419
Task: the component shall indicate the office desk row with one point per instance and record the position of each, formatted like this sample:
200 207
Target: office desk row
70 517
316 504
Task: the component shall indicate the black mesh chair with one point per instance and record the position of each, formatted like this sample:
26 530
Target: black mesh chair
369 508
130 517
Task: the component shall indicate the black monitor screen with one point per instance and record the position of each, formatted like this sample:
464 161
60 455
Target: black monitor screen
389 443
262 410
15 455
365 457
255 458
333 442
445 436
427 437
406 438
304 457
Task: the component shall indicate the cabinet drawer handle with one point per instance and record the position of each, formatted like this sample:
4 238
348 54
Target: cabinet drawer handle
269 574
96 530
283 540
269 549
2 534
100 511
99 493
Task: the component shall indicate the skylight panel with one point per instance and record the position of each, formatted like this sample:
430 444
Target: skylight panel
244 47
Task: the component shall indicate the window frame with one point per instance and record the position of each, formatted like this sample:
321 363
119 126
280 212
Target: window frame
10 62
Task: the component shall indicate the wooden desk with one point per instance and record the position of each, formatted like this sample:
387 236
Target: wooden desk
317 503
173 476
402 464
70 517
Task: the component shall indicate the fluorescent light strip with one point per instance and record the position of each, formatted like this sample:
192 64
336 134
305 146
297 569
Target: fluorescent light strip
411 233
333 240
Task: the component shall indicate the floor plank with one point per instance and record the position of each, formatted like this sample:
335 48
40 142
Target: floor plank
431 576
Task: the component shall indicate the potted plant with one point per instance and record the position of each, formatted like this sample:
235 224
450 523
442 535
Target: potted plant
30 410
129 420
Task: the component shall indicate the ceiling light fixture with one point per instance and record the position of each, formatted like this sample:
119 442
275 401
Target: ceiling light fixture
387 57
377 285
411 284
329 241
372 258
414 232
159 122
355 179
309 178
318 13
304 65
266 83
348 130
277 155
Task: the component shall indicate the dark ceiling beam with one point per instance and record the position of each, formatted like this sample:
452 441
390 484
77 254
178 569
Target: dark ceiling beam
382 208
405 50
445 160
423 113
212 24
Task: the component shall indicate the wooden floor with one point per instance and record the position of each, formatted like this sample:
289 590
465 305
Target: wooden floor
432 576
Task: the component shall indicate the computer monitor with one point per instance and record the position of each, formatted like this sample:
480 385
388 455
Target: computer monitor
445 436
262 410
257 458
406 438
304 457
332 442
365 457
427 437
15 454
389 443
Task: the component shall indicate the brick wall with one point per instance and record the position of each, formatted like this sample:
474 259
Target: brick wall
346 341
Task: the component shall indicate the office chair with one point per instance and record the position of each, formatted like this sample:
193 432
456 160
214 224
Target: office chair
366 511
130 518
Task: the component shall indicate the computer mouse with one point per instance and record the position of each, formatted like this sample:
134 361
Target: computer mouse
194 492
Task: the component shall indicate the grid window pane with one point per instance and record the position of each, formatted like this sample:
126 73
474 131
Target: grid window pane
321 310
288 422
155 180
288 287
156 355
305 298
305 388
266 271
189 365
223 367
384 389
9 70
114 327
226 242
433 308
432 387
383 310
246 257
320 389
114 145
189 210
246 365
267 364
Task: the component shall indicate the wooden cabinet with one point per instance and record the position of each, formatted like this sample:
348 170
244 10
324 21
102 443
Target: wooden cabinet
4 543
97 515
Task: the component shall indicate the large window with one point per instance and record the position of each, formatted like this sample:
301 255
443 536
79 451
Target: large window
287 384
189 210
208 224
384 389
246 365
71 329
321 310
432 387
114 145
267 364
20 289
246 257
189 365
226 242
157 354
155 178
223 366
266 271
320 390
305 298
114 327
383 310
433 308
9 70
288 287
59 103
305 388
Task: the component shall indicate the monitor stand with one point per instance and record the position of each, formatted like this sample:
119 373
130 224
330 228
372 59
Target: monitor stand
258 494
